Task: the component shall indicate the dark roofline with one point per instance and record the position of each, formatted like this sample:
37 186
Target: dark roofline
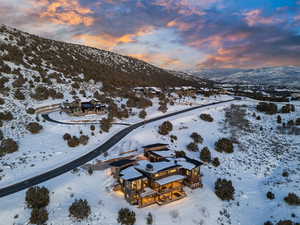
155 145
193 161
121 162
157 154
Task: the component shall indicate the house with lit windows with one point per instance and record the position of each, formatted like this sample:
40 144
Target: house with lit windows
159 178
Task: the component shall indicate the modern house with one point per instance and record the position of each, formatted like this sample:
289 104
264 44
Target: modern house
158 179
78 108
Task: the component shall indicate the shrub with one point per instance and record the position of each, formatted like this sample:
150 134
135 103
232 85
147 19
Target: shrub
270 195
30 111
34 127
1 135
83 139
37 197
285 174
192 147
8 146
285 222
224 145
105 125
80 209
163 108
142 114
149 219
290 123
205 155
6 116
126 217
92 127
206 117
216 162
180 154
279 120
268 223
268 108
41 93
298 122
165 128
73 142
258 118
288 108
39 216
197 138
292 199
2 101
224 189
67 137
19 95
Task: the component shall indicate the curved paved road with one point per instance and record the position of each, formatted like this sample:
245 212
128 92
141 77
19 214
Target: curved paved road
46 117
89 156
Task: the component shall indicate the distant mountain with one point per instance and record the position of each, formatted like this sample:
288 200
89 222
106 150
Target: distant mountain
287 76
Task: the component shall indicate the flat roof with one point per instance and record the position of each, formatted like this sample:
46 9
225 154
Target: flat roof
170 179
163 153
156 167
131 173
121 162
155 145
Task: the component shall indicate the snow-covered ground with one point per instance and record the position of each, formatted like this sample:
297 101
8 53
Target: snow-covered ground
49 146
255 168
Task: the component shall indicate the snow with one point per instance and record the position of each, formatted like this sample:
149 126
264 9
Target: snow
169 179
130 173
253 171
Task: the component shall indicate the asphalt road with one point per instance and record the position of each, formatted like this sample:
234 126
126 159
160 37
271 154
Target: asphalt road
89 156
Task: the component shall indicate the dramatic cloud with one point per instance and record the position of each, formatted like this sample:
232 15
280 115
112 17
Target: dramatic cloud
174 34
255 17
66 12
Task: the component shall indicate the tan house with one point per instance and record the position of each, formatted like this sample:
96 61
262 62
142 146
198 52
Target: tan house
78 108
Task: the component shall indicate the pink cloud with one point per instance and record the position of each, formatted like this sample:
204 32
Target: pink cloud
255 17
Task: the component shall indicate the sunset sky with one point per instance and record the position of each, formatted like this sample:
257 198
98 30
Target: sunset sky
173 34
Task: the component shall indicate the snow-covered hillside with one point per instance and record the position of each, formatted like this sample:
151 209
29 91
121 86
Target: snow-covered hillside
260 157
279 76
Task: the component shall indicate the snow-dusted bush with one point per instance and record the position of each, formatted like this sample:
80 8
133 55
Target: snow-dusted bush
268 108
192 147
19 95
149 219
37 197
165 128
92 127
163 108
1 135
34 127
30 111
73 142
38 216
126 216
292 199
2 101
142 114
279 120
224 145
298 122
105 125
206 117
288 108
286 222
6 116
224 189
216 162
67 136
40 93
270 195
180 154
83 139
197 138
205 155
80 209
8 146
